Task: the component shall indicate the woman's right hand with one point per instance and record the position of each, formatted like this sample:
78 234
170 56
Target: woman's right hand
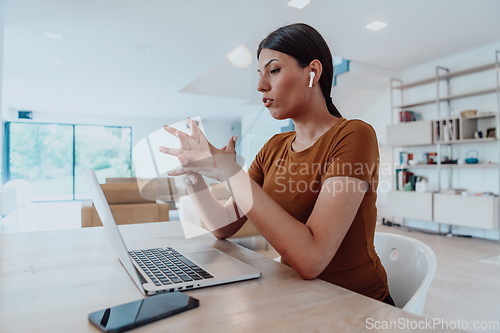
198 155
229 148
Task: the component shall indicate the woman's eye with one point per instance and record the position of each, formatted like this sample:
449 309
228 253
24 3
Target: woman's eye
275 71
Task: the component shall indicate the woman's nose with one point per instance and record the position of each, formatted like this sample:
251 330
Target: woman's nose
262 85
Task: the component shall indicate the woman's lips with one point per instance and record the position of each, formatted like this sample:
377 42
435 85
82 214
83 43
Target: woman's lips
267 102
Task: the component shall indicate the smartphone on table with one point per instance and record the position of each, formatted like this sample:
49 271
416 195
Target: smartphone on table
131 315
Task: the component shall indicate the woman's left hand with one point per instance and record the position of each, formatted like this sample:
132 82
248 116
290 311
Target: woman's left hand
198 155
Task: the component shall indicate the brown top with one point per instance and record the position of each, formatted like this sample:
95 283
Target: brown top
294 180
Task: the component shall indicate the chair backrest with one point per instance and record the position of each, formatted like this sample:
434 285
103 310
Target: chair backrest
410 266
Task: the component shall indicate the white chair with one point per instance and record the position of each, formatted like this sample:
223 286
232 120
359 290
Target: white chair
410 266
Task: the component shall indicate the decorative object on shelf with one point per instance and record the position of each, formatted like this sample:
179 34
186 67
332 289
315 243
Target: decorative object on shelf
487 194
421 185
454 191
447 160
404 157
412 162
472 157
405 180
478 134
430 158
408 187
468 113
491 133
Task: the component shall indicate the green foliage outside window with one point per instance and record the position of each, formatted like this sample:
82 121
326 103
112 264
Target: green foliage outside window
51 156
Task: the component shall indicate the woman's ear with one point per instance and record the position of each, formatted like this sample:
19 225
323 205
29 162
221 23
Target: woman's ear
315 67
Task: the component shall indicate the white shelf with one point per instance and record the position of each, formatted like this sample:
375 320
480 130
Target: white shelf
481 115
447 77
447 98
419 133
450 166
482 140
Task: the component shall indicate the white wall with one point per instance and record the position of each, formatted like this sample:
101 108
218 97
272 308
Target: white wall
364 93
219 132
256 128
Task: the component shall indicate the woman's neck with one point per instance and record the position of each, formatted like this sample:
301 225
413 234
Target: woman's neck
313 124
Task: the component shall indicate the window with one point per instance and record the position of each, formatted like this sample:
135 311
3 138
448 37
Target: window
52 156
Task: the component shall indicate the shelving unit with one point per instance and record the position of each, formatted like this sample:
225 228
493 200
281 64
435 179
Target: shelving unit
445 131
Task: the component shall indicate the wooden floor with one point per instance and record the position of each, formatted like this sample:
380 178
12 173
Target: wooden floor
464 288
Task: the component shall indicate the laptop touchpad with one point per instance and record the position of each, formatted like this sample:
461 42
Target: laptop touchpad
208 257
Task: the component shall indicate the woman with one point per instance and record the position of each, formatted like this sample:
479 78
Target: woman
311 193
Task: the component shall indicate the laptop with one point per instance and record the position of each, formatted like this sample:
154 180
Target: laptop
157 270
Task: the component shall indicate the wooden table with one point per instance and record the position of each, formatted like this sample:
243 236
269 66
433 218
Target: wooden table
50 282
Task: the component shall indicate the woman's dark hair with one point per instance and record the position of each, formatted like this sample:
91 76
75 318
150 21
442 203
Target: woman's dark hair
305 44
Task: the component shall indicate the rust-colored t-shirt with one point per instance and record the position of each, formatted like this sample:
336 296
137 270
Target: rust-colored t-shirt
294 180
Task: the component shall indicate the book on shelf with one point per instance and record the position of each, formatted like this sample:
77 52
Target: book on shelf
407 116
451 130
437 131
405 180
448 131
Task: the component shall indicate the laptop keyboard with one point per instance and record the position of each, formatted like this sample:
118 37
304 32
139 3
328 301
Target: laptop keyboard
167 266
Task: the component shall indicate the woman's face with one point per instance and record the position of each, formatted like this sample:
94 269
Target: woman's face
283 84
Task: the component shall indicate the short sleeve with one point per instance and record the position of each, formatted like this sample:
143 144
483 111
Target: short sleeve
355 153
261 162
255 171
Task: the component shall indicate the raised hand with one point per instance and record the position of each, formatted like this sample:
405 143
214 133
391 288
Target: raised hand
197 155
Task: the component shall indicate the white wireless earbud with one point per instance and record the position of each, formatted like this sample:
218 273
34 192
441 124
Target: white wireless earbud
312 75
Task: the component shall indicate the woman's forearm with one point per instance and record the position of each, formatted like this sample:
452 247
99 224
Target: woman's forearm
280 228
221 220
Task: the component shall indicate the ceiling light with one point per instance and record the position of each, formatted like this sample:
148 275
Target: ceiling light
298 3
376 25
240 57
52 35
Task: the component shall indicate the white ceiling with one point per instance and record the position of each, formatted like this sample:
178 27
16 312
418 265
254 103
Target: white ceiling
97 69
